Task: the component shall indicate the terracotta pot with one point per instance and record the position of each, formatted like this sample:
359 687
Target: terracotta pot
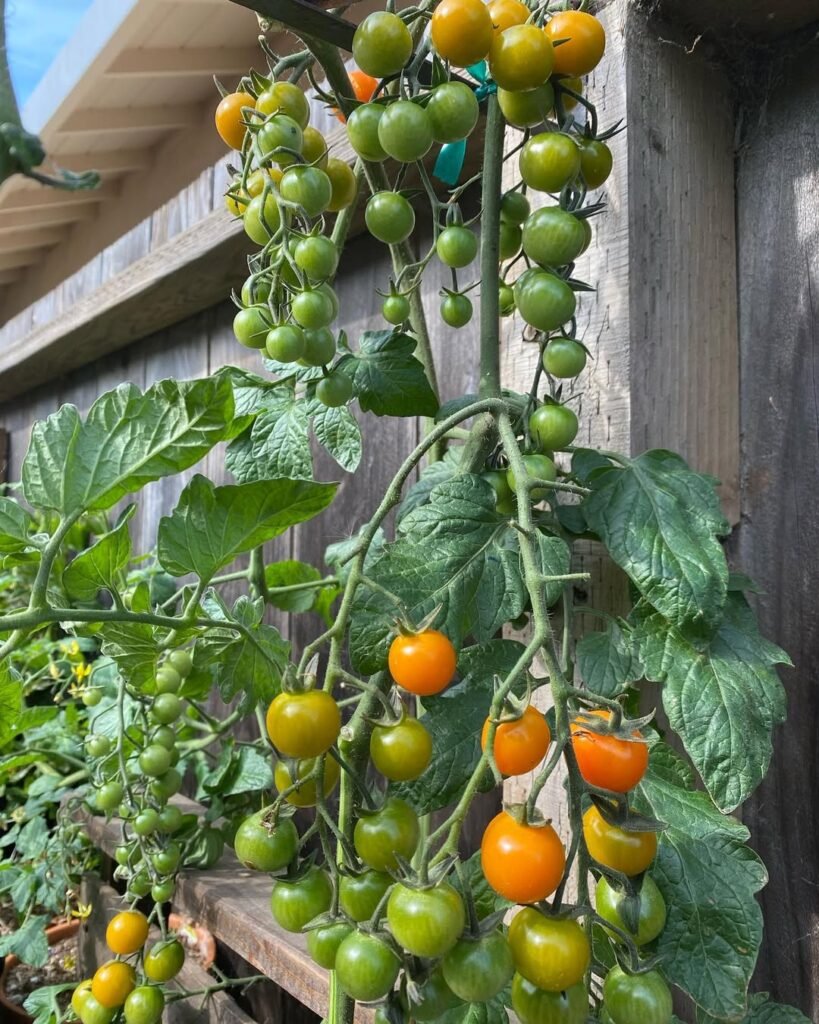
11 1012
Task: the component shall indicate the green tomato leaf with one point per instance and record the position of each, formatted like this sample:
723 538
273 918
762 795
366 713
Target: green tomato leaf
487 901
211 526
96 568
134 648
491 1012
43 1004
247 771
432 475
339 555
128 439
607 661
29 942
722 702
709 879
338 432
456 552
660 523
11 702
277 444
555 559
454 719
762 1010
290 574
15 526
387 378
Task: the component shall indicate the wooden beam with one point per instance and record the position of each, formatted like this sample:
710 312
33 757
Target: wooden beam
8 277
761 18
45 215
128 119
174 62
105 162
20 258
305 18
29 238
46 196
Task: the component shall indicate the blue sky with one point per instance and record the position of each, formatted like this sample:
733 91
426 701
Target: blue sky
36 31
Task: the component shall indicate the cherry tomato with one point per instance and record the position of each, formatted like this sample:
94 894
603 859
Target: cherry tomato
426 922
303 724
456 310
510 238
314 149
112 983
506 13
576 85
155 760
285 343
145 1005
229 118
317 256
98 746
263 848
279 138
334 390
585 42
527 109
652 912
477 969
553 427
564 358
405 131
538 467
366 967
170 819
549 161
456 246
312 308
534 1005
506 301
382 44
323 943
544 300
396 309
91 696
520 745
386 834
251 326
342 184
262 219
284 98
637 998
551 952
166 861
523 863
146 822
630 853
236 199
168 680
164 788
305 794
422 663
126 932
462 31
401 752
80 995
436 997
295 903
164 960
496 478
521 58
162 892
515 207
607 761
319 347
307 187
596 162
364 85
93 1012
553 237
453 111
255 290
389 217
359 895
362 132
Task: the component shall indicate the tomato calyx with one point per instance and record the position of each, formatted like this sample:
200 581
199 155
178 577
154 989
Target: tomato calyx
404 627
523 815
615 810
616 725
513 708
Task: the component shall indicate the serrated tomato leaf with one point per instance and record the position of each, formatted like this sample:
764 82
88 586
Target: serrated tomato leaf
388 379
96 567
607 661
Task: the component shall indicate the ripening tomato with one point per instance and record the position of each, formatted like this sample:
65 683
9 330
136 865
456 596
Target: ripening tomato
544 300
534 1005
596 162
630 853
527 109
262 218
164 960
342 183
279 138
405 131
382 836
564 358
637 998
478 969
382 44
608 762
553 427
585 42
307 187
553 237
362 132
551 952
145 1005
126 932
506 13
523 863
364 85
389 217
359 895
426 922
549 161
314 148
305 794
303 724
263 848
519 745
401 752
422 663
284 98
462 31
521 58
230 117
651 915
112 983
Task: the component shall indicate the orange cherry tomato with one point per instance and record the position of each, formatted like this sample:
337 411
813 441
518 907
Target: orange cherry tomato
585 42
519 745
229 118
523 863
424 663
462 31
127 932
506 13
113 983
627 852
606 761
364 87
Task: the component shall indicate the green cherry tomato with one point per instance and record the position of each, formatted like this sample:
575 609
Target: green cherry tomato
553 237
456 246
405 131
477 969
91 696
534 1005
165 736
510 238
529 108
317 256
255 290
453 111
343 182
426 922
521 58
319 347
553 427
170 819
564 358
139 885
93 1012
109 795
164 960
389 217
362 132
652 910
551 952
389 832
162 892
165 786
285 343
396 309
544 300
401 752
303 724
168 680
123 854
307 187
312 308
596 162
506 300
334 390
284 98
98 746
382 44
296 903
549 161
146 822
323 943
366 967
497 480
359 895
155 760
637 998
166 708
515 207
539 467
145 1005
262 218
166 861
456 309
81 995
263 848
436 997
250 326
277 134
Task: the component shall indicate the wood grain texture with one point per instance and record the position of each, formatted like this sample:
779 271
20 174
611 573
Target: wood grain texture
764 19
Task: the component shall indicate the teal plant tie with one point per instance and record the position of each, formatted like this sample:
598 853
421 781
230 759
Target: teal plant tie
450 160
